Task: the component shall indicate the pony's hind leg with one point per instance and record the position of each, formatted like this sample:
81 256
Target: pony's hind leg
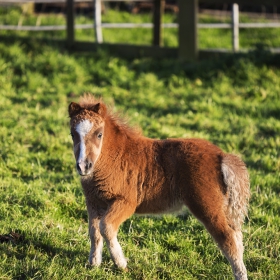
213 216
230 243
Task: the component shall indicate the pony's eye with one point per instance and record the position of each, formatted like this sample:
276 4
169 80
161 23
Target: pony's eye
99 135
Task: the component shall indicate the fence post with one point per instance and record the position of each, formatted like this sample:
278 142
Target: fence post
235 27
70 23
97 21
188 47
157 20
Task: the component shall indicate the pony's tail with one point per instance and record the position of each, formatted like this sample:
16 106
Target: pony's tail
236 178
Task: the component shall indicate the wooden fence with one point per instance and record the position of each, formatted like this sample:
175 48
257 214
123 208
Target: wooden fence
187 26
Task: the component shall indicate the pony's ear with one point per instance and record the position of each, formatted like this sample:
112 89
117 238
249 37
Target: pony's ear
73 109
100 109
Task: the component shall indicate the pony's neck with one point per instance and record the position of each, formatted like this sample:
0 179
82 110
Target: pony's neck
115 138
119 143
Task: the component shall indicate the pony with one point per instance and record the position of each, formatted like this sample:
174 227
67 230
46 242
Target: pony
123 172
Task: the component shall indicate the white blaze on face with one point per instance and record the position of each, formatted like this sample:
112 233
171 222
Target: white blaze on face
83 128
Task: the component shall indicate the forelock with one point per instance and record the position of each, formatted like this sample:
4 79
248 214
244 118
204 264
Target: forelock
85 115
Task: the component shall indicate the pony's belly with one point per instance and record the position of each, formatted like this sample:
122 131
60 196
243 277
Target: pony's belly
158 207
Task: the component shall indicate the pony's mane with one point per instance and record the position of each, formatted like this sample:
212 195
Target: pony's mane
87 101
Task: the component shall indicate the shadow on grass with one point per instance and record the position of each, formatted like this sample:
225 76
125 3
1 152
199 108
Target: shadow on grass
138 227
24 239
24 246
27 247
163 67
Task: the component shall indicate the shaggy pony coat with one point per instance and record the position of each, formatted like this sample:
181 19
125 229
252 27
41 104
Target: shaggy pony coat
123 172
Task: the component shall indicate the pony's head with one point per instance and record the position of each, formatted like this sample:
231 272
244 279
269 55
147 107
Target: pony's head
87 129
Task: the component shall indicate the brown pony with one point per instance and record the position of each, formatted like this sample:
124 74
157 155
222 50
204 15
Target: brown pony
122 173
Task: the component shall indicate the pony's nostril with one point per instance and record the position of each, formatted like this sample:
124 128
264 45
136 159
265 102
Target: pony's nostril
89 165
78 167
84 167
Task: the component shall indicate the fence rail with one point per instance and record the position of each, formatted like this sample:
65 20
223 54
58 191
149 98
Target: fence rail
137 25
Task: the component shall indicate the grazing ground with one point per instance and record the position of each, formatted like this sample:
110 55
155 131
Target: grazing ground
233 102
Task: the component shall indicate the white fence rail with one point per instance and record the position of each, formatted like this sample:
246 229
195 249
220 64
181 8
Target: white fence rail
138 25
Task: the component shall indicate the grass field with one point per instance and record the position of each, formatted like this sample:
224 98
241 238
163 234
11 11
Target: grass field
233 102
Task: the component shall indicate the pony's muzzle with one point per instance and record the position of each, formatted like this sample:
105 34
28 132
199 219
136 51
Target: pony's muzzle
84 167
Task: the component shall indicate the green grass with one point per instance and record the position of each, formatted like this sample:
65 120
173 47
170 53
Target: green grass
233 102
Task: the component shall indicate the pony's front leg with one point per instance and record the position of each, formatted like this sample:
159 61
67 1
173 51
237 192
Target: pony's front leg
117 213
95 255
